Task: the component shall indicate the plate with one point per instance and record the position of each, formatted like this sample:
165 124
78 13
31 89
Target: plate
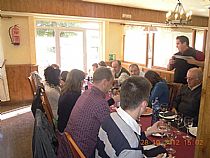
157 134
147 112
193 131
169 117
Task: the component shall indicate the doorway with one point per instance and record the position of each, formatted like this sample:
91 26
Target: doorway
69 44
71 50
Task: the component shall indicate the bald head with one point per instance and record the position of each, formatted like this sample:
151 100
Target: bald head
194 77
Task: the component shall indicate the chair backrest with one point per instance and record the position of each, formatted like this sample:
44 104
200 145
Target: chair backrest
75 150
34 80
173 91
46 106
32 83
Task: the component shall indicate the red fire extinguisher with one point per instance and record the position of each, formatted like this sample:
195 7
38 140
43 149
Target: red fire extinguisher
14 34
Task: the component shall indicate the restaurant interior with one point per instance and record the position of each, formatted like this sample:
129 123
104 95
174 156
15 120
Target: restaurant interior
131 31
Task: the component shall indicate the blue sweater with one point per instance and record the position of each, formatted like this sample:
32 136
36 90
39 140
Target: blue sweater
161 91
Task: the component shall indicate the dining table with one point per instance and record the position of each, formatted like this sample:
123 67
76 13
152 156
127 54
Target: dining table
184 148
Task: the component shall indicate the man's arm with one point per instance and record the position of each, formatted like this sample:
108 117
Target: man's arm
170 65
195 62
198 60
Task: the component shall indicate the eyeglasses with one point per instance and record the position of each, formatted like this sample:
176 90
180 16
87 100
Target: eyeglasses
191 78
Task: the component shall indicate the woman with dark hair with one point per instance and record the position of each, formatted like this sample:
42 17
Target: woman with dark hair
159 87
69 94
63 78
102 63
52 87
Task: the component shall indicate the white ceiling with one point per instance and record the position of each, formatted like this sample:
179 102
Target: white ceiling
198 7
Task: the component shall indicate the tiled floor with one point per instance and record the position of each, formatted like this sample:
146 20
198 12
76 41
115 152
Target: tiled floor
16 138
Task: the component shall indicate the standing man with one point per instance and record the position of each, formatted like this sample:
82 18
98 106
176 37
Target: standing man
89 111
187 101
186 58
118 69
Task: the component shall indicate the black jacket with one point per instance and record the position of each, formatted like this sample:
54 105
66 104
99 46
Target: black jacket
44 144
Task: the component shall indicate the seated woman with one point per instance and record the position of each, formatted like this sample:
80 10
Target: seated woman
63 78
69 95
159 87
52 87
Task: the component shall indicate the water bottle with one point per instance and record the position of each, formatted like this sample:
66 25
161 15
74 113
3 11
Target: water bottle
155 110
86 85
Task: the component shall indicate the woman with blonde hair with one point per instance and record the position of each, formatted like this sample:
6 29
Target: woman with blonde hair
70 92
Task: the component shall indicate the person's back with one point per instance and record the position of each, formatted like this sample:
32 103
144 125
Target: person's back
161 92
52 88
70 92
122 139
160 89
89 111
120 135
86 117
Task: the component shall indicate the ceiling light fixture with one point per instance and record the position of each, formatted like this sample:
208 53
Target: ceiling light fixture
178 16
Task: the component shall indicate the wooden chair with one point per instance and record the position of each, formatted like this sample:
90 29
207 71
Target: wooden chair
75 150
46 106
173 91
32 83
34 80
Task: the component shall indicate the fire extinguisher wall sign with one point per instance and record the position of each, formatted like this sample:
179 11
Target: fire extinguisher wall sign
14 34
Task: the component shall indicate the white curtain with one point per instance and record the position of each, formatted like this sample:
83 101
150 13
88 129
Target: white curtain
4 92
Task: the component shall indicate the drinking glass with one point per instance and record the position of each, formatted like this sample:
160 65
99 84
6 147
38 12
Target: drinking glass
163 127
171 136
178 119
188 123
163 108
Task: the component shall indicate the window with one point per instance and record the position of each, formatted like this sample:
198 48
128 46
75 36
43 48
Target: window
199 40
135 44
70 44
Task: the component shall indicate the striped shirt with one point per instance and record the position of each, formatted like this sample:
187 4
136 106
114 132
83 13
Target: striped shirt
117 139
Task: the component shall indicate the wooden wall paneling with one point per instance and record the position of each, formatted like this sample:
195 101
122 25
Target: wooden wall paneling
199 21
153 47
12 83
85 9
90 9
204 40
203 150
19 87
113 12
99 11
71 8
193 38
123 47
147 49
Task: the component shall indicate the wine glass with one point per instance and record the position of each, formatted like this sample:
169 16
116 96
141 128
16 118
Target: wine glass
188 123
178 119
171 136
163 127
164 108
